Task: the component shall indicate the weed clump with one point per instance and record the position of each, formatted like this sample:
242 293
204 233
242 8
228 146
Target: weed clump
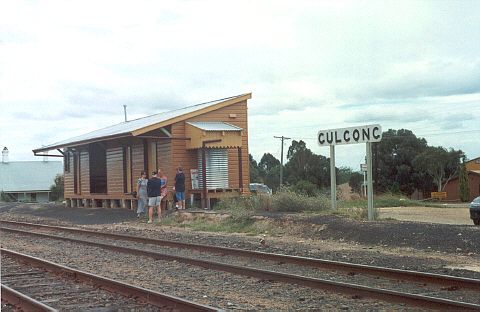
289 201
284 200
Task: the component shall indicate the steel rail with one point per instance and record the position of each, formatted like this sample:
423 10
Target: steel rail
128 290
444 280
328 285
22 301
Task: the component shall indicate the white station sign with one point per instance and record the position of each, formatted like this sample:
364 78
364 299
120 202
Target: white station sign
352 135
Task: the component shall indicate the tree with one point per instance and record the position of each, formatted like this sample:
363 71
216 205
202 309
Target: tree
56 190
269 171
463 182
343 175
268 162
306 188
355 181
254 170
303 165
272 178
394 156
441 165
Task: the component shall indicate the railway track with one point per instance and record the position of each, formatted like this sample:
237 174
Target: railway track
16 300
349 268
353 289
33 284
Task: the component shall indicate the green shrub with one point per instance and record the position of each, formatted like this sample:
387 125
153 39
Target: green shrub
245 203
305 187
463 185
289 201
5 197
57 189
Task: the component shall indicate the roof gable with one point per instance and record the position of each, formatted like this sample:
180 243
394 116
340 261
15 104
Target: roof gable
475 160
140 126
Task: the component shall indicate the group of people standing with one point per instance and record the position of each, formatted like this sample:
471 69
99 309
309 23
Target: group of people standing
152 192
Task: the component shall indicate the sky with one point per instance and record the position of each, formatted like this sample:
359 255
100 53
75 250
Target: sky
68 67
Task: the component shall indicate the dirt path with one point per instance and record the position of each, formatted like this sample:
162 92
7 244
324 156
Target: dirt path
428 214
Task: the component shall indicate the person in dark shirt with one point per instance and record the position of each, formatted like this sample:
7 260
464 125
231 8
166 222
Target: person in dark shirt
154 198
180 188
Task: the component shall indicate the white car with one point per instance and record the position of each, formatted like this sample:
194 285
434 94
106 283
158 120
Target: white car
475 211
259 188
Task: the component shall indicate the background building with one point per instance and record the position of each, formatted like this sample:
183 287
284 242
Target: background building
27 180
473 170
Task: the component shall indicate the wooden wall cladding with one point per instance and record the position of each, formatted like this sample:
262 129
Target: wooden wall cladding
164 159
241 120
68 177
188 158
85 172
138 164
181 156
115 176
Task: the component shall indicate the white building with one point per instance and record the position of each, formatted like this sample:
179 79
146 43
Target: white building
28 180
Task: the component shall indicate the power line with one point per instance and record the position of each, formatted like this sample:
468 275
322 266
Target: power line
281 157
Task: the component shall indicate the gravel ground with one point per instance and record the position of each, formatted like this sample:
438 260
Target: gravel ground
436 248
63 293
462 239
446 215
417 288
68 215
224 290
417 235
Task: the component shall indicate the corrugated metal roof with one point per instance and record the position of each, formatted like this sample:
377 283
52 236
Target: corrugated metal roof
24 176
214 126
135 124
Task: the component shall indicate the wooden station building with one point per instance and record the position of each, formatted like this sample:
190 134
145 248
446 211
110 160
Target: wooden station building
209 140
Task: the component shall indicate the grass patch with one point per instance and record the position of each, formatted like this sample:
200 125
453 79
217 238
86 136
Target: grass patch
235 223
384 201
357 213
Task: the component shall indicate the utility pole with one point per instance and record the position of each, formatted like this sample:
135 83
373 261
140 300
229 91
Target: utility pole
281 157
125 112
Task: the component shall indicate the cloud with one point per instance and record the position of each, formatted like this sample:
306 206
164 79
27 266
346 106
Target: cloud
374 115
427 79
68 68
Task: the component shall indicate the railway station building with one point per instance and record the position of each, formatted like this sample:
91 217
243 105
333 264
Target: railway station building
209 140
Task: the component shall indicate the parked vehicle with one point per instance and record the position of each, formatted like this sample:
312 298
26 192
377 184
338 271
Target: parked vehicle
259 188
475 211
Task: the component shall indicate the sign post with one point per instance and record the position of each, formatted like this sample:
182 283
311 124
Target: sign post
333 178
353 135
371 215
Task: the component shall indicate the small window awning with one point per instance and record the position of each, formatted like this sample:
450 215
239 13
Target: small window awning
215 134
